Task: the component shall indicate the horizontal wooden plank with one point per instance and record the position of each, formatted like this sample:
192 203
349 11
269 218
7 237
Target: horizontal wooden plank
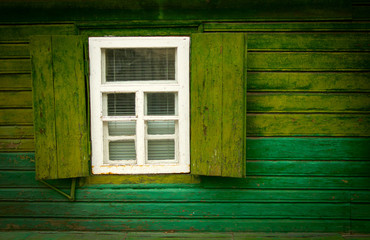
15 179
266 182
308 81
360 196
16 99
324 26
16 116
139 31
15 82
23 179
176 210
308 102
115 10
17 145
89 194
19 132
277 148
15 66
309 41
15 50
308 125
191 225
360 227
23 32
360 211
308 61
361 12
17 160
308 168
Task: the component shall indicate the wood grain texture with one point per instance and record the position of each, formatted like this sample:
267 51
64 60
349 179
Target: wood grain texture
308 81
308 102
309 41
325 149
15 82
308 61
16 116
60 111
217 104
14 50
176 210
17 145
16 99
177 195
70 107
15 66
113 10
308 125
16 132
191 225
22 32
324 26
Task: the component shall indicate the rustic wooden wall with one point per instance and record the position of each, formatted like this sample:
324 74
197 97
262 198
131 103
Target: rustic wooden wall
308 165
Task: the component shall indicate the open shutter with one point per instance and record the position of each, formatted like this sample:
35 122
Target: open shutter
59 103
218 104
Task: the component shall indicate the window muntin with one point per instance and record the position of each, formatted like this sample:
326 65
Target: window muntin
139 105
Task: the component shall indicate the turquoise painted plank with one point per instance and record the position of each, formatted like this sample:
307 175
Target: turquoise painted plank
17 161
176 210
266 182
27 179
178 195
189 225
308 148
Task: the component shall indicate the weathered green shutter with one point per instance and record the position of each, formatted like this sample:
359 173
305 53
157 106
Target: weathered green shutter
218 104
59 101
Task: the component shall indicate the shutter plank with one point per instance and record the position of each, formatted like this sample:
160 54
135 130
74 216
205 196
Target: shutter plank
44 112
70 106
59 107
217 105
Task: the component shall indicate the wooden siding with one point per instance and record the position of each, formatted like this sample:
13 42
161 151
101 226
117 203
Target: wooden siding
307 160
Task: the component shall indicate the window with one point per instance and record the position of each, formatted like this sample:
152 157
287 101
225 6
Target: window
139 94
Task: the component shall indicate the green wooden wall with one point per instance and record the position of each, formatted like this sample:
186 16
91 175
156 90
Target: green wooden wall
308 101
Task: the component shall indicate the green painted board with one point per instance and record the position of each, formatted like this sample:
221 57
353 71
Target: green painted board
175 210
60 107
15 66
308 61
308 148
295 124
16 116
282 182
309 41
140 29
17 145
17 161
308 168
15 82
115 10
28 179
189 225
16 99
14 50
322 26
360 196
360 227
22 32
360 211
177 195
309 81
308 102
16 132
218 104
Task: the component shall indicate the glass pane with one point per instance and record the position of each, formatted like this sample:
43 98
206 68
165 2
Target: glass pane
122 150
161 149
121 104
160 103
161 127
122 128
140 64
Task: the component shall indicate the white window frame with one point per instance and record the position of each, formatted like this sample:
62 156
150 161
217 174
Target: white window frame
98 88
